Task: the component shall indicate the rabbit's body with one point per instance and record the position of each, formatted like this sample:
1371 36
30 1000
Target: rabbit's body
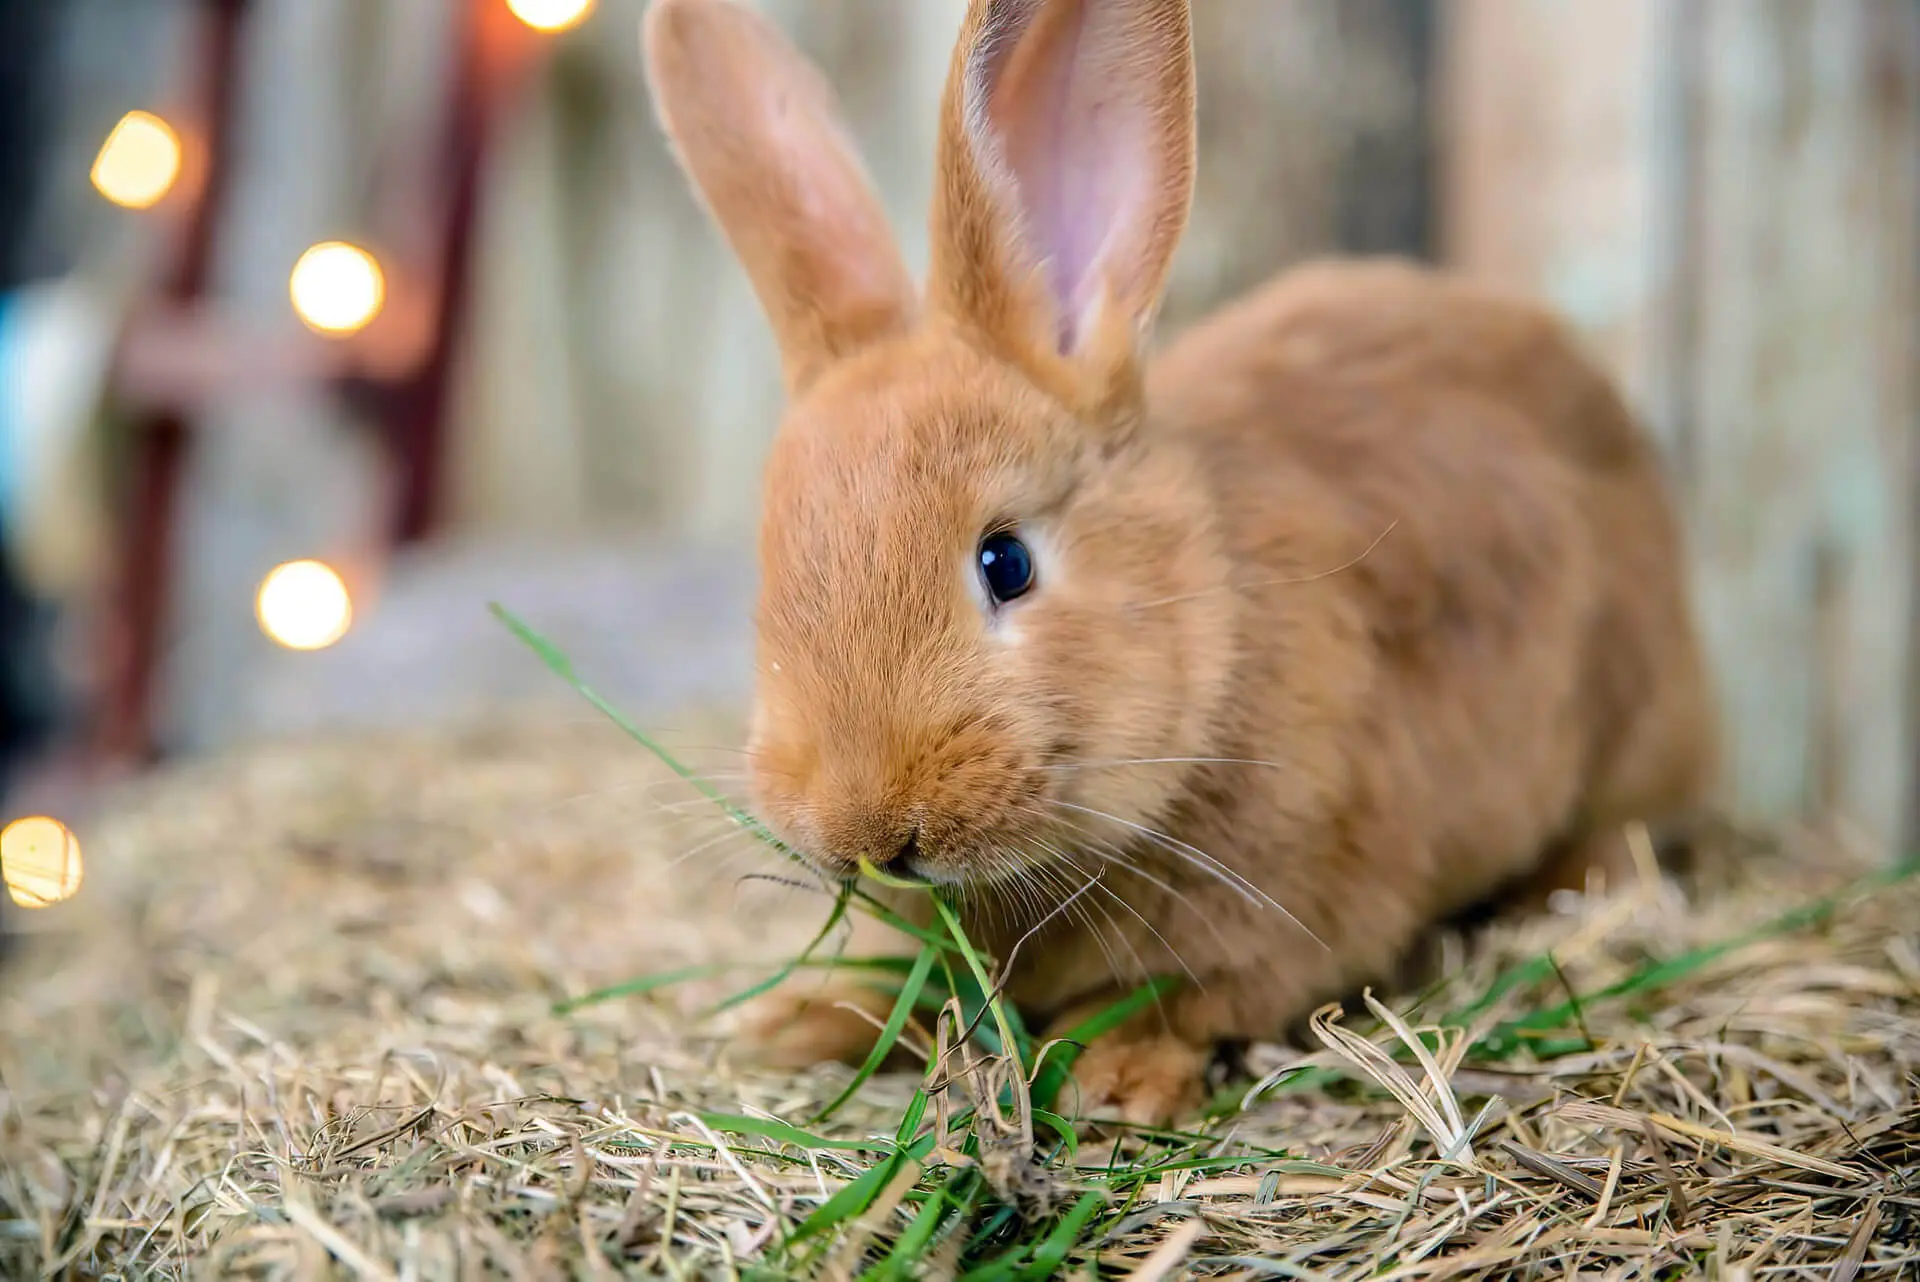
1358 605
1462 656
1502 531
1460 638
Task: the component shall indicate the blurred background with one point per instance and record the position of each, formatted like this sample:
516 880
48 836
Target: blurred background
325 322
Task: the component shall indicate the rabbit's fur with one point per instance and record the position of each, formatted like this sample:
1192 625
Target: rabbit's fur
1359 604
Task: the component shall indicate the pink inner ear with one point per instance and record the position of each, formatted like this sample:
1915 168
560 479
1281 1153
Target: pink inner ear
1074 138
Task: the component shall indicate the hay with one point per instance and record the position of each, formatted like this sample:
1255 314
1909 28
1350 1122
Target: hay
297 1023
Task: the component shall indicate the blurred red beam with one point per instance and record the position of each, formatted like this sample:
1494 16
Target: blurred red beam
159 434
412 408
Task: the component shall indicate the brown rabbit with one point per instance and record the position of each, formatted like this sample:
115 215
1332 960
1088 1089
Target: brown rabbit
1362 603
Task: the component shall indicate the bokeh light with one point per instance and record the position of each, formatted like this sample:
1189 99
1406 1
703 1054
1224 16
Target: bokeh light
551 15
338 288
139 162
304 605
40 860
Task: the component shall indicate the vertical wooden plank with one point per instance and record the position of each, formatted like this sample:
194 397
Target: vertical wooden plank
1723 194
1889 643
1804 399
1551 119
519 449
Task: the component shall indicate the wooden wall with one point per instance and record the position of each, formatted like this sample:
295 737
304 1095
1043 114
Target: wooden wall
1726 195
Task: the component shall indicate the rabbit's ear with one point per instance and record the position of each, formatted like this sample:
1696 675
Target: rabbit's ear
1065 173
759 133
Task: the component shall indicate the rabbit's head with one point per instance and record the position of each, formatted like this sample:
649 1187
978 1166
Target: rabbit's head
981 571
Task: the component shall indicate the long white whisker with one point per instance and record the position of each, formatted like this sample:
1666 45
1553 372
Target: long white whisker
1113 854
1163 761
689 804
1203 860
1153 930
1038 926
616 790
1053 878
717 840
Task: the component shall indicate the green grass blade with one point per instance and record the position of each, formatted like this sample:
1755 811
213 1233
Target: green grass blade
1010 1043
645 984
713 970
1528 974
855 1197
1043 1259
903 1007
1509 1036
1052 1252
910 1120
905 1255
561 666
847 1203
1069 1142
779 1132
874 908
785 973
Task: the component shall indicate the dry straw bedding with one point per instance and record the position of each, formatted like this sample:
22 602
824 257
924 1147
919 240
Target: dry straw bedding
298 1024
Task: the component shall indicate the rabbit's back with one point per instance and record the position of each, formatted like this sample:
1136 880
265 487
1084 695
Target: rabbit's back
1481 503
1390 331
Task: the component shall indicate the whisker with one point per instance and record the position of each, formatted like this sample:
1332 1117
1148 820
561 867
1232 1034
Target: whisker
732 833
613 790
1113 854
1098 930
623 798
1139 964
1163 761
1119 973
1084 916
1201 859
686 804
1014 952
1271 583
715 778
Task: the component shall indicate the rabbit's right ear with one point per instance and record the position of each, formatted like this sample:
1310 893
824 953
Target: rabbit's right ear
759 133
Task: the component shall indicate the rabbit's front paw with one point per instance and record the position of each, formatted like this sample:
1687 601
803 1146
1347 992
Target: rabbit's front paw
1145 1079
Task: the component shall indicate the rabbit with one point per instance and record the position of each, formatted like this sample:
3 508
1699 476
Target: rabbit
1247 661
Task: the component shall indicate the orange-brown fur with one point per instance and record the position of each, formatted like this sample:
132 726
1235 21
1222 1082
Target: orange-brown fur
1381 548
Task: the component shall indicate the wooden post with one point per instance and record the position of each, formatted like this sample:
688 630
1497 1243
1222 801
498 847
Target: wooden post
1725 194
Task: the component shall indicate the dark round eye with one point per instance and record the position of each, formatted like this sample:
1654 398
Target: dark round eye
1006 565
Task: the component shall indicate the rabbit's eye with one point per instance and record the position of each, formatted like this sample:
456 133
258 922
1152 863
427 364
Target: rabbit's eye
1006 566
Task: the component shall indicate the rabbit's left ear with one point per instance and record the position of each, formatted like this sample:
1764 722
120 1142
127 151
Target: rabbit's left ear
1065 173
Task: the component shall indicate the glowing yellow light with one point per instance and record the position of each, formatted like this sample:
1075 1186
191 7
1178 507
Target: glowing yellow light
551 15
338 288
304 605
139 161
40 860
